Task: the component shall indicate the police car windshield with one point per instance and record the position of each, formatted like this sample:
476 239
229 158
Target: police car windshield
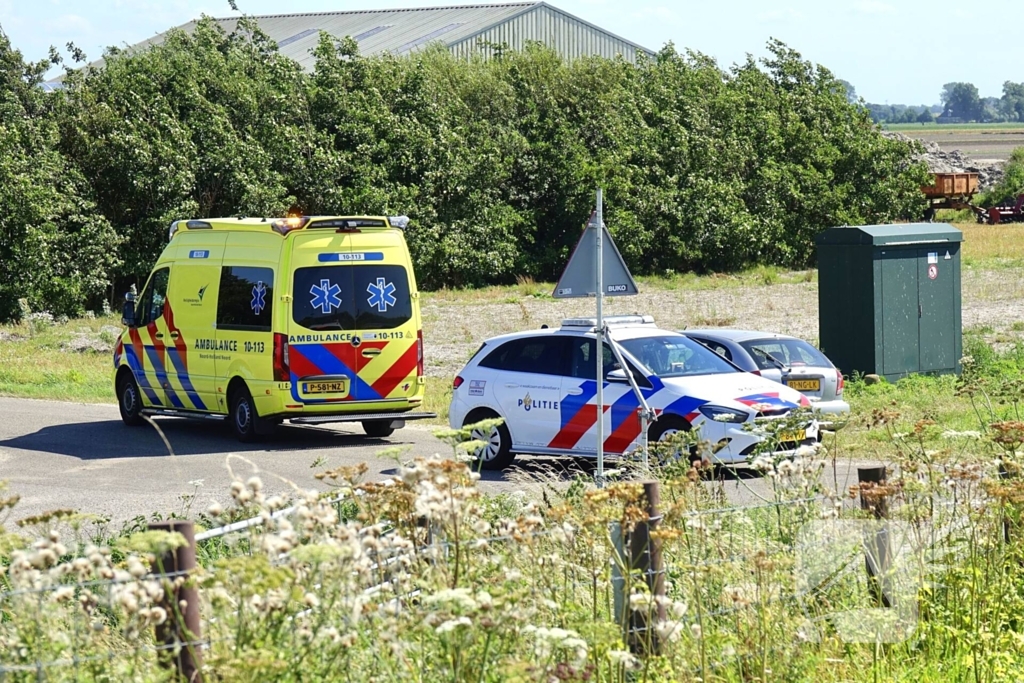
676 356
351 297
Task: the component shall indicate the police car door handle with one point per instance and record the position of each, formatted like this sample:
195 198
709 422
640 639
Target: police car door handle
511 386
574 392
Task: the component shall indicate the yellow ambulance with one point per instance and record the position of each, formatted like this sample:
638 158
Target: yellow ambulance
257 320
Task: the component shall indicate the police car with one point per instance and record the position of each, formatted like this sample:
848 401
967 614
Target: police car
543 383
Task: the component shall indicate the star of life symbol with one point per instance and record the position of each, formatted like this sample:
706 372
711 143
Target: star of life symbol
382 295
259 302
325 297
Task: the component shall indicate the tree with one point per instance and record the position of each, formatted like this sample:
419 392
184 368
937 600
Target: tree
851 92
961 101
925 116
56 250
1012 102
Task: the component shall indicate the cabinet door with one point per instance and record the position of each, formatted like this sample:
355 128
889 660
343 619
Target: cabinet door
900 330
938 318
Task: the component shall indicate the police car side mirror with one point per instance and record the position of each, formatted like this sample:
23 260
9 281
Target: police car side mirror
616 375
128 310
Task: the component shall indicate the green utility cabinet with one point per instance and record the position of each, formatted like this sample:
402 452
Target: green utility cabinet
889 299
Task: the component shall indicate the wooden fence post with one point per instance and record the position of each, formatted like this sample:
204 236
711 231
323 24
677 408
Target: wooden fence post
181 630
877 555
645 556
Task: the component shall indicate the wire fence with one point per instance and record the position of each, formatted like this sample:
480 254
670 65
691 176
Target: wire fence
726 564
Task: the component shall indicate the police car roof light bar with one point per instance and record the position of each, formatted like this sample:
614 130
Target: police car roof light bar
610 321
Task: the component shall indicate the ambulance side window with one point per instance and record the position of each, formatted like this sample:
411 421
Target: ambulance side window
151 305
246 299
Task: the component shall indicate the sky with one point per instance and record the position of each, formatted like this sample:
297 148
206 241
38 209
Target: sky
892 51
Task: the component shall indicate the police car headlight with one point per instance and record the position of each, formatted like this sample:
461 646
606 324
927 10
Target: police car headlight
723 414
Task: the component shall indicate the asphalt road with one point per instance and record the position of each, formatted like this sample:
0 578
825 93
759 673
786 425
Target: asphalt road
77 456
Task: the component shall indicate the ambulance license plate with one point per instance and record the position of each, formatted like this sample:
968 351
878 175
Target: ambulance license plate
325 387
805 384
792 437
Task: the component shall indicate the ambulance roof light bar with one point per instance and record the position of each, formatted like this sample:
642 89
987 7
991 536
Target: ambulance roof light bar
283 226
400 222
191 225
610 321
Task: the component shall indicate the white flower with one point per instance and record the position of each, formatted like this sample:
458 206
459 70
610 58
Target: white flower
624 659
640 601
196 483
215 510
453 624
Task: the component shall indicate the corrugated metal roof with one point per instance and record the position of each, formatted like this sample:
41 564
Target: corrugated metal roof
404 30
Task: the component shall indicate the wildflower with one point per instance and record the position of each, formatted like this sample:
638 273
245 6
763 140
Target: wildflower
63 594
623 658
157 615
640 601
196 483
311 600
453 624
215 510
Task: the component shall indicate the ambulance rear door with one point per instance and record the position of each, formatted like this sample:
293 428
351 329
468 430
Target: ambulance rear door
352 332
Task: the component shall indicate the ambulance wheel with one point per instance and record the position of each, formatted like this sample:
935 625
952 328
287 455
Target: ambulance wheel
244 418
129 400
496 454
378 428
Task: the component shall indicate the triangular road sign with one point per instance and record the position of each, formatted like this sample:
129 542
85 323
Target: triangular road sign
579 279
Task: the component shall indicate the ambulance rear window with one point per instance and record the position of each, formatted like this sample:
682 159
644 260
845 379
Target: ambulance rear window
351 297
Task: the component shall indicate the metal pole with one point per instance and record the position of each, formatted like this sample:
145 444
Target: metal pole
600 337
182 627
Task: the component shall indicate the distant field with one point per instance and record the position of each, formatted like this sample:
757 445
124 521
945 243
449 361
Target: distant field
980 141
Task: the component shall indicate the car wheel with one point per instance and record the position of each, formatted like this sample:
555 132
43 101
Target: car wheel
378 428
663 429
243 416
129 400
496 454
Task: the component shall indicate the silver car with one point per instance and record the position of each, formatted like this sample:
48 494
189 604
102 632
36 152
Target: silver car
781 358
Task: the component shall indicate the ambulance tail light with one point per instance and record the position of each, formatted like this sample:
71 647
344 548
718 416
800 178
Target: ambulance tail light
281 371
419 353
283 226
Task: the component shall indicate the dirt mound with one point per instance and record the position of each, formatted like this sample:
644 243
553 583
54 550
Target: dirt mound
953 161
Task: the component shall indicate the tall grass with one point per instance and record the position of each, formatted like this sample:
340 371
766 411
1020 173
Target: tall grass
424 577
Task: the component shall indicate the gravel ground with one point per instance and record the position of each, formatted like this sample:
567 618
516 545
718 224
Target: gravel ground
455 324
